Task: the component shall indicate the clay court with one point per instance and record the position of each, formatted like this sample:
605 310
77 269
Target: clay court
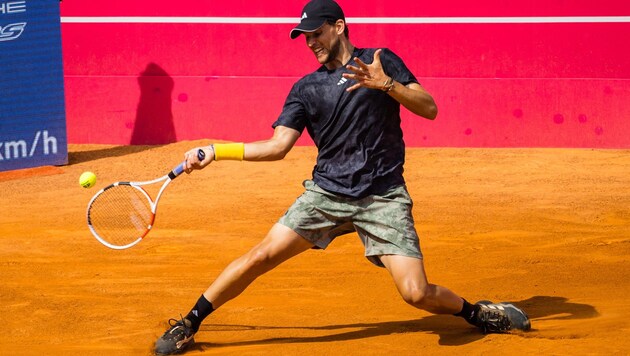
544 228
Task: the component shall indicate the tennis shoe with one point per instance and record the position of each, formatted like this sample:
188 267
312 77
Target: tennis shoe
501 318
176 339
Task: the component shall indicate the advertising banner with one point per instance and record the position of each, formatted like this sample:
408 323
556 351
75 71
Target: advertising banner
32 107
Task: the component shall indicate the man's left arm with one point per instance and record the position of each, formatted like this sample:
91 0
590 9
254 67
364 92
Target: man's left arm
412 96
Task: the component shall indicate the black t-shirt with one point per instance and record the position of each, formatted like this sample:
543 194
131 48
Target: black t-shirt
357 134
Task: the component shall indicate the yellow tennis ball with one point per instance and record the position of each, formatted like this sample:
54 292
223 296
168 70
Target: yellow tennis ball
87 179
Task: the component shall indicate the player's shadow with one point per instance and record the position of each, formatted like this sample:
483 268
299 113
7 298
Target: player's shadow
452 331
153 125
154 115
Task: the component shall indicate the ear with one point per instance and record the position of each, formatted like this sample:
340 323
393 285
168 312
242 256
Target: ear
340 26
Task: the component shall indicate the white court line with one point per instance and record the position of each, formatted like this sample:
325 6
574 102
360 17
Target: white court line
351 20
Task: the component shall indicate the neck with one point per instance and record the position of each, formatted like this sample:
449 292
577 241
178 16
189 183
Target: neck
345 54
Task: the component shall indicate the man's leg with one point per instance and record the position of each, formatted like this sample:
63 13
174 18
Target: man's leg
280 244
411 281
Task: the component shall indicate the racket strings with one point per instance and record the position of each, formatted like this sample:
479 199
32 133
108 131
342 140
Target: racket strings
121 215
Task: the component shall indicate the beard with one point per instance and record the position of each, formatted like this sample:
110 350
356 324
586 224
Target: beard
333 52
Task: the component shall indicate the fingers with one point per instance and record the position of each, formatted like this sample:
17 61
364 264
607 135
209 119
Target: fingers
354 69
368 76
354 87
361 64
357 77
188 162
375 63
192 161
377 57
362 80
359 73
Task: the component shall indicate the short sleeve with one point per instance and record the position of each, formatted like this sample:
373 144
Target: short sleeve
396 68
293 112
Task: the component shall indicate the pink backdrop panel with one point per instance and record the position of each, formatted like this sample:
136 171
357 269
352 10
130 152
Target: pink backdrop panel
496 84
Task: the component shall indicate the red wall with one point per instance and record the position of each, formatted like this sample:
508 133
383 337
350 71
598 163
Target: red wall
496 84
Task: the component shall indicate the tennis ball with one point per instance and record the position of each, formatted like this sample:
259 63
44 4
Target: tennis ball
87 179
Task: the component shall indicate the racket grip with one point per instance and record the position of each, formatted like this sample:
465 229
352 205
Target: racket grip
180 169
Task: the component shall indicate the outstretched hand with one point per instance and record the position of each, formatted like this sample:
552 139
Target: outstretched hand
367 76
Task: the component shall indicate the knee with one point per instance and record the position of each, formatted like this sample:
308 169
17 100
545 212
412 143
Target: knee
260 259
414 295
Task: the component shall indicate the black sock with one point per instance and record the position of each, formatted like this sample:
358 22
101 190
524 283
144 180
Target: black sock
200 311
469 312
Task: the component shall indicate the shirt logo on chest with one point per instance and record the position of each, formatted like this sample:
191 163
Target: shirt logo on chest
342 81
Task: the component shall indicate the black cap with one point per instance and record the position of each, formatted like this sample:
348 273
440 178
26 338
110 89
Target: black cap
315 14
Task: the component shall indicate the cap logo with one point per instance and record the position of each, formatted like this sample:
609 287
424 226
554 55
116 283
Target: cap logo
304 16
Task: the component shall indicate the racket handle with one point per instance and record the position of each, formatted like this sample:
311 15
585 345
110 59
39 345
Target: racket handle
180 169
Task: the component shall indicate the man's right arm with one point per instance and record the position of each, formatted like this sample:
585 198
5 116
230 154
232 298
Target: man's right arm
273 149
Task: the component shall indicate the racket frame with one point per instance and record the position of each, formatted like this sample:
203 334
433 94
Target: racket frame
168 178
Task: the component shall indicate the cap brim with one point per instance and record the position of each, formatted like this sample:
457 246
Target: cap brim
306 26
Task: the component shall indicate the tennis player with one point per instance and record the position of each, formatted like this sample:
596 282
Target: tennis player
350 106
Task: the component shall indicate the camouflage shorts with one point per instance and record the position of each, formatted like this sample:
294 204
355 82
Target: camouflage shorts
383 222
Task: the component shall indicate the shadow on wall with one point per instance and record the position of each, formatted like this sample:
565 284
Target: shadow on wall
154 117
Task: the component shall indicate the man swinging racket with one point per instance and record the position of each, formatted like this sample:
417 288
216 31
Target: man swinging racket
350 106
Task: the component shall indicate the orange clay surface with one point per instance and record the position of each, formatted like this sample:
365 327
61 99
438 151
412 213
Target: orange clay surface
548 229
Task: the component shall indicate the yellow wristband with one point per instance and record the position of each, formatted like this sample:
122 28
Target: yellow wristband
229 151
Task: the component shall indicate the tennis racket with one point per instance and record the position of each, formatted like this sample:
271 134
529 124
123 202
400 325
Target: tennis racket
122 214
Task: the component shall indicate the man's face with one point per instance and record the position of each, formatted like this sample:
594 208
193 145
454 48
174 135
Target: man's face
324 42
